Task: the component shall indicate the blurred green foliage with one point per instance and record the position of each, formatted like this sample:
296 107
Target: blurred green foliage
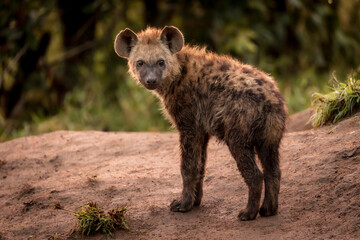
58 69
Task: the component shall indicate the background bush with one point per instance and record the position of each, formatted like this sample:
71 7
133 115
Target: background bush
58 69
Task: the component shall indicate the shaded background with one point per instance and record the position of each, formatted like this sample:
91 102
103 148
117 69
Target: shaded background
58 69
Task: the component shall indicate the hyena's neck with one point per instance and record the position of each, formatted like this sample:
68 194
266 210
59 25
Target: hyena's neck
173 82
188 60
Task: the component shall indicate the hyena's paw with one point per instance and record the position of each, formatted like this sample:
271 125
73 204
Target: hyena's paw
197 202
268 210
246 215
181 206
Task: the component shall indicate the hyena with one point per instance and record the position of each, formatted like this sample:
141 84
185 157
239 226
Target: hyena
204 95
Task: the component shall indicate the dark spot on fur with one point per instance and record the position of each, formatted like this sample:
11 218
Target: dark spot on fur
215 77
202 95
216 88
251 95
267 107
260 81
186 57
202 71
172 89
262 97
241 79
194 65
236 95
209 64
224 67
230 84
227 77
191 84
243 111
184 71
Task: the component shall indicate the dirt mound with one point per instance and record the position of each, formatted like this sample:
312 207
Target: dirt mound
319 197
299 121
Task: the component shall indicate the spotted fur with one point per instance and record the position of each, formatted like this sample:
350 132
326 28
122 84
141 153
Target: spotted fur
204 95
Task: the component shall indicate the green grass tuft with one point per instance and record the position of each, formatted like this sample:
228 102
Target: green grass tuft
341 102
93 219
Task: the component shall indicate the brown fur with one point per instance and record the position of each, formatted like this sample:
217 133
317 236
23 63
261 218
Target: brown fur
206 95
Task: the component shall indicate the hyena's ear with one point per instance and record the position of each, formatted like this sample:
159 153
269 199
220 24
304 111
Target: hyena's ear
173 38
124 42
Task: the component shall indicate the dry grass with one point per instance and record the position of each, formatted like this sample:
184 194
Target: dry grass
93 219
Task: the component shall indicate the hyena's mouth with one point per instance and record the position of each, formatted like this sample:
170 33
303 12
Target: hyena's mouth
151 86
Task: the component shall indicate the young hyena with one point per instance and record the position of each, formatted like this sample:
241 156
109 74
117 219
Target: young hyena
205 95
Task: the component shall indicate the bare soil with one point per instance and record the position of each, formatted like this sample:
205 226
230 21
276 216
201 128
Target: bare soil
319 197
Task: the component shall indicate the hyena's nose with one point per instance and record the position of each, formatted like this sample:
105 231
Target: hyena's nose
151 81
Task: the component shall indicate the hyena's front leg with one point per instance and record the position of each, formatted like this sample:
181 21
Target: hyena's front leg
199 186
192 171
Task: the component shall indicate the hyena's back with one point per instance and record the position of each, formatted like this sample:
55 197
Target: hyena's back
227 95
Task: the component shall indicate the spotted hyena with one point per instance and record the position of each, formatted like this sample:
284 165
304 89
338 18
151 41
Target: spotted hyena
206 95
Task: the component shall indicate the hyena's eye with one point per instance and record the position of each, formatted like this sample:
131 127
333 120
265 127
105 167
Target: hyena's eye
161 63
139 63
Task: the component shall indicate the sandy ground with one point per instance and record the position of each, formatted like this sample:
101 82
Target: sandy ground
319 197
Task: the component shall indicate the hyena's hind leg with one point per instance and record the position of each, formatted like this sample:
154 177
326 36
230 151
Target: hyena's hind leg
269 158
245 159
192 171
268 153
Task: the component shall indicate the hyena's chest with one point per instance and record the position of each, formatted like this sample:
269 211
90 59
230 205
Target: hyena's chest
190 107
